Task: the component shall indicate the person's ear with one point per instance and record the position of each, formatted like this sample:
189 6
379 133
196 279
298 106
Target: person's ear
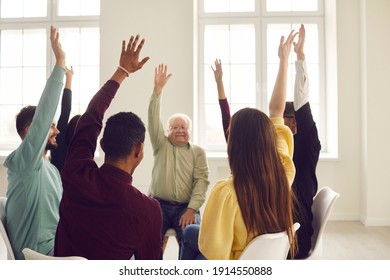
24 133
138 150
294 121
102 145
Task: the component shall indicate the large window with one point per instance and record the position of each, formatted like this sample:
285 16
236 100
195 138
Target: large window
245 35
26 59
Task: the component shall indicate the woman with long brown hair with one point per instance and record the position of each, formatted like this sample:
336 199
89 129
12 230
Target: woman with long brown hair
257 197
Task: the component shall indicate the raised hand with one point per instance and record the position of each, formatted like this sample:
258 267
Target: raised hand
129 59
218 73
160 77
56 47
299 46
285 46
69 75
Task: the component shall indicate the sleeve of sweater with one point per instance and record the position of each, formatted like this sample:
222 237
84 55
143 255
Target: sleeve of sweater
217 227
225 111
285 144
28 156
84 141
155 127
58 154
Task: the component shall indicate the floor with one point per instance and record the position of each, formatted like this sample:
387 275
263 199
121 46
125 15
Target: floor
341 241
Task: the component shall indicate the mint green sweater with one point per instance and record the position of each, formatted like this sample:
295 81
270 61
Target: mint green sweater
34 184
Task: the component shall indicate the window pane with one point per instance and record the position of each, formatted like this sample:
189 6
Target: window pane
230 43
23 8
88 89
291 5
11 48
242 43
70 40
242 5
243 87
9 136
90 46
34 47
216 43
82 45
11 86
35 8
224 6
78 7
34 80
214 129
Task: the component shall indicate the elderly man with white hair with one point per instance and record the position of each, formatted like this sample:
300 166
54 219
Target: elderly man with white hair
180 171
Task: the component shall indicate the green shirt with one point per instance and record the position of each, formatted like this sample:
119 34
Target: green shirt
180 173
34 184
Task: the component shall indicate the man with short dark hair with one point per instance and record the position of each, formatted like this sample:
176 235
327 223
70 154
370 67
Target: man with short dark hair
102 215
34 184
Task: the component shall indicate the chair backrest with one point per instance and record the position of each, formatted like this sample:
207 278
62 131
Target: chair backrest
10 253
33 255
322 205
269 246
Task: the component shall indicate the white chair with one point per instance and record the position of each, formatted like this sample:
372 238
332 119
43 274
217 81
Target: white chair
10 252
33 255
168 233
269 246
322 206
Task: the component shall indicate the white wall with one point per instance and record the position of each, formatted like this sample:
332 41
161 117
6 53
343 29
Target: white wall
375 107
359 174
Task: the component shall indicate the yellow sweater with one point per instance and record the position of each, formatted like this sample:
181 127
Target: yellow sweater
223 235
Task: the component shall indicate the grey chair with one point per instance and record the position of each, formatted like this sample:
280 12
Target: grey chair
3 231
321 208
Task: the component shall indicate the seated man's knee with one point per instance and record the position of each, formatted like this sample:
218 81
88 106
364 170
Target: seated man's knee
191 233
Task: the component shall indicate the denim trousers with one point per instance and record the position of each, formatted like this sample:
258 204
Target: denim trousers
171 214
189 244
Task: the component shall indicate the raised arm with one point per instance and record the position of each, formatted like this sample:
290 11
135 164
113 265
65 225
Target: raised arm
88 128
58 154
223 104
278 98
155 127
29 153
301 88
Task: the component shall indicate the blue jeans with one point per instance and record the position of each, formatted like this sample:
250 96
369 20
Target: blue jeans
171 214
189 244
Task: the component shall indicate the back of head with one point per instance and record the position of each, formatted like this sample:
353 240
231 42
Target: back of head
289 111
71 128
122 133
24 119
259 178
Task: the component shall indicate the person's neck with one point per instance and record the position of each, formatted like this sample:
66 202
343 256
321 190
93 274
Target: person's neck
124 165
